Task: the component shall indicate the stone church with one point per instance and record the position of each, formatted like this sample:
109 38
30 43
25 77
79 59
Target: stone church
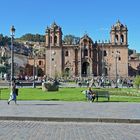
88 58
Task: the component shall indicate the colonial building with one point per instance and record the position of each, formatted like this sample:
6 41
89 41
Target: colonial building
88 57
134 64
36 64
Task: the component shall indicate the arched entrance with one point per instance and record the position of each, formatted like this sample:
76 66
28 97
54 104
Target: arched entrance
85 69
67 72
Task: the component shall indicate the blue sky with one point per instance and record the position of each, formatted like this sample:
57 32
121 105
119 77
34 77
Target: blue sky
77 17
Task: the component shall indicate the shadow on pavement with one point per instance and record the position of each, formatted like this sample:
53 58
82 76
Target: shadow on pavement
38 104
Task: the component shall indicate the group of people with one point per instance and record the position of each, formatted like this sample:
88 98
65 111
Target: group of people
90 94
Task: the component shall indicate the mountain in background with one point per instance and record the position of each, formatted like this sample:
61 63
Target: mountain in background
32 37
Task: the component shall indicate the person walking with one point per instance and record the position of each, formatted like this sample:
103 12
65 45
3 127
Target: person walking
13 94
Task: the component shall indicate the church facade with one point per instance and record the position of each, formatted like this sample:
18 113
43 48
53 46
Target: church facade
88 58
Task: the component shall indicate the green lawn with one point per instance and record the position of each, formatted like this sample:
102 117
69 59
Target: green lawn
72 94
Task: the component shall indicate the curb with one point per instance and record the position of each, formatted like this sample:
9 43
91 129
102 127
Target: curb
57 119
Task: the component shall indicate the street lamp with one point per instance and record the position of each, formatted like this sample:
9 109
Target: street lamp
34 69
103 63
50 50
54 61
12 30
80 61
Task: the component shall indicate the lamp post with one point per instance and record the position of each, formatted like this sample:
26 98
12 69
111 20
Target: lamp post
50 50
34 70
103 69
53 53
80 62
12 30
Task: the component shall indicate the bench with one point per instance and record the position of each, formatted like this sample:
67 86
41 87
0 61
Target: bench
104 94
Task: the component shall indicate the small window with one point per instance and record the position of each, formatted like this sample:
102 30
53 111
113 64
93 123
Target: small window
116 39
40 63
119 58
55 39
122 38
66 53
105 54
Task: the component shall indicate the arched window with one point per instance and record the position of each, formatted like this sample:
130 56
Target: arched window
40 62
105 54
122 38
67 72
66 53
55 39
119 58
116 38
85 69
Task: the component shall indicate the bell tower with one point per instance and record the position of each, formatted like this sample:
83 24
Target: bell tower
118 34
54 35
53 50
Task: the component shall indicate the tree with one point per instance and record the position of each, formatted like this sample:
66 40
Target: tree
2 69
137 81
4 40
130 51
32 37
71 39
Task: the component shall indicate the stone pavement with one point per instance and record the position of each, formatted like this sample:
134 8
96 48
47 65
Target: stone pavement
59 120
71 111
36 130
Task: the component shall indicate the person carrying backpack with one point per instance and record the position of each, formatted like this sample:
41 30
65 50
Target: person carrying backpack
13 94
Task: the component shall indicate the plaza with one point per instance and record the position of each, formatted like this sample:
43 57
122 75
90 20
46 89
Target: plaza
67 131
73 45
69 120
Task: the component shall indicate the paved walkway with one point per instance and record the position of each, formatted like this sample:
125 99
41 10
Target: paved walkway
56 120
36 130
71 111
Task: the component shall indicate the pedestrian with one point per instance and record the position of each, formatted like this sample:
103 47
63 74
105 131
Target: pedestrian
87 83
13 93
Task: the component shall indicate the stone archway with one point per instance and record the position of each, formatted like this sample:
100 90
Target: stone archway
67 72
85 69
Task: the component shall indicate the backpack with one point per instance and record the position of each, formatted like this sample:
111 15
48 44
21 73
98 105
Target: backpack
16 91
